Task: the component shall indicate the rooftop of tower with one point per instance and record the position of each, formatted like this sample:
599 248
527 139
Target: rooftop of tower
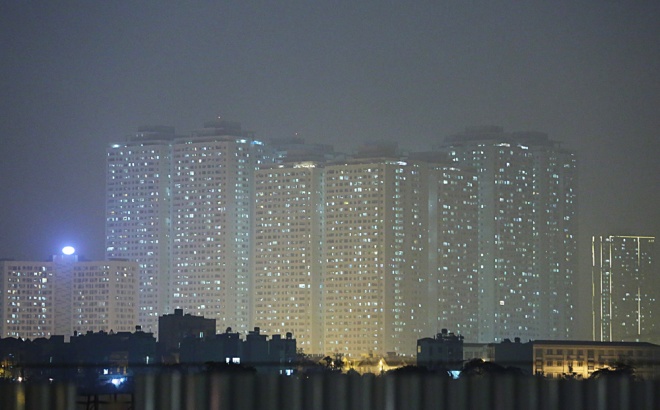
153 133
497 133
222 128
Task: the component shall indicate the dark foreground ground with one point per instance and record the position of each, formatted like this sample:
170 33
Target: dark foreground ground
175 390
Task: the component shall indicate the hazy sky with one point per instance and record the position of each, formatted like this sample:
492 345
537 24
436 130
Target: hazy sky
75 76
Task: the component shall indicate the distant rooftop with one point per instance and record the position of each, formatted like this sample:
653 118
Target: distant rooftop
154 132
497 133
222 128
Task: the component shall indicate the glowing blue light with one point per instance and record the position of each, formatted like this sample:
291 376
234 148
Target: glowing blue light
118 381
68 250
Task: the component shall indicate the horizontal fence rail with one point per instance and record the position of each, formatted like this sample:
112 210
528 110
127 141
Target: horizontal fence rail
174 390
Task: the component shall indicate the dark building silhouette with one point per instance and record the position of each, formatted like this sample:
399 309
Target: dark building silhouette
443 351
220 348
90 360
277 355
174 328
514 354
104 359
256 347
282 353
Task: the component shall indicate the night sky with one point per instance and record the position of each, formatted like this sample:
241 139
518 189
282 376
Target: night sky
75 76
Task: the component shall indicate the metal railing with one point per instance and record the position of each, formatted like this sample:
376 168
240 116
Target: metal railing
174 390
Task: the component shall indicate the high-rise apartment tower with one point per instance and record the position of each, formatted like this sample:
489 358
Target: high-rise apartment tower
181 208
527 231
624 292
365 255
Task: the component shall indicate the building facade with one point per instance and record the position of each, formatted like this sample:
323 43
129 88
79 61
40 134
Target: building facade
27 305
527 231
138 217
624 292
375 257
556 359
65 295
453 248
355 256
362 256
211 206
444 351
105 296
569 359
287 252
173 328
181 207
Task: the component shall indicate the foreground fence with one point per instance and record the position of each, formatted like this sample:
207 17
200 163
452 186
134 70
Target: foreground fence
174 390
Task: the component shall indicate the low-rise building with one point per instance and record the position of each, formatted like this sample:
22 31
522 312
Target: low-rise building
553 358
277 355
66 294
483 351
174 328
443 351
220 348
512 354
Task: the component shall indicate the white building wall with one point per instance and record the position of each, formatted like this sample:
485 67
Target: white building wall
27 305
138 220
375 274
41 299
105 296
181 208
212 202
286 256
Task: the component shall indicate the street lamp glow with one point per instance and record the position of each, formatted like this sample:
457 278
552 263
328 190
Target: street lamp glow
68 250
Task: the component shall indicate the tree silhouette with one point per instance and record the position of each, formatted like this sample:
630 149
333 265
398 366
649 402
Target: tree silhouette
480 368
619 370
